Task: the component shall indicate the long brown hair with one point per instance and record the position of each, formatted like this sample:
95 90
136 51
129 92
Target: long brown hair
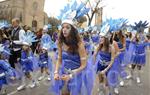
118 37
105 44
72 40
121 36
27 51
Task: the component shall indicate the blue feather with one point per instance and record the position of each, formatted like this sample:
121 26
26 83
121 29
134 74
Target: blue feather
140 26
74 5
83 12
80 7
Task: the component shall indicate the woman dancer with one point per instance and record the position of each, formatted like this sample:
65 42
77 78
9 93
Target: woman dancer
71 61
104 58
6 72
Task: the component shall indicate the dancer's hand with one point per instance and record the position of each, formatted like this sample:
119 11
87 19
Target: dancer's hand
103 72
94 59
18 59
56 76
65 77
12 78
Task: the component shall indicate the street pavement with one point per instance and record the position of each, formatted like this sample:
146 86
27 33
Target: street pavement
130 88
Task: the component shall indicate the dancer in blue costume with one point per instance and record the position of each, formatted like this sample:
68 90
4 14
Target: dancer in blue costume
88 46
95 37
71 62
139 57
6 72
139 41
121 41
104 58
128 39
45 61
116 26
7 48
72 58
45 36
26 60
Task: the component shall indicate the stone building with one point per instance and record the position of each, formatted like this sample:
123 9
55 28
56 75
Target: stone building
30 12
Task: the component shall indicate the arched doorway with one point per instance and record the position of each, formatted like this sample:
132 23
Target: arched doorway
34 25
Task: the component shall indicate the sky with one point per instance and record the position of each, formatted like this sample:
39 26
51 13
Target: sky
133 10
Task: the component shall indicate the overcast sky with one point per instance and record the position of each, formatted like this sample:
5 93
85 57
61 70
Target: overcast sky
134 10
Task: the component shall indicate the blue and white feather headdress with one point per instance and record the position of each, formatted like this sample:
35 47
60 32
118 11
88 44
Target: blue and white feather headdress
140 26
28 38
46 43
104 31
45 28
71 13
117 24
3 50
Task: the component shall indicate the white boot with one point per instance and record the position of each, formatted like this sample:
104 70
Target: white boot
3 91
23 84
101 89
48 77
32 84
21 87
130 74
41 77
121 83
138 80
116 90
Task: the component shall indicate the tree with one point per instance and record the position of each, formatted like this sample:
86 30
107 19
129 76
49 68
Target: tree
81 20
94 9
53 23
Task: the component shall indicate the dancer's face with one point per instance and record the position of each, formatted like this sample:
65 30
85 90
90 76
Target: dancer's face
66 28
25 47
44 50
102 39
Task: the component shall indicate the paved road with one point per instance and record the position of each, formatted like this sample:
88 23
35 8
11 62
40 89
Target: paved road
131 87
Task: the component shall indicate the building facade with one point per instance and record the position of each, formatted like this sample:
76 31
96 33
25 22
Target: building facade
30 12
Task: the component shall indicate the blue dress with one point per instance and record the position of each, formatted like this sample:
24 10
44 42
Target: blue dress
88 46
74 86
26 62
138 56
5 72
95 39
127 43
121 55
121 60
102 61
43 60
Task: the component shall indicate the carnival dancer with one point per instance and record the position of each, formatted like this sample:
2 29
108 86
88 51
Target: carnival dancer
45 62
72 56
26 61
104 58
138 58
88 43
121 40
118 70
6 71
128 37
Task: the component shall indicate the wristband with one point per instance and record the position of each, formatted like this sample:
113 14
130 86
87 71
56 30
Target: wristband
71 76
56 72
